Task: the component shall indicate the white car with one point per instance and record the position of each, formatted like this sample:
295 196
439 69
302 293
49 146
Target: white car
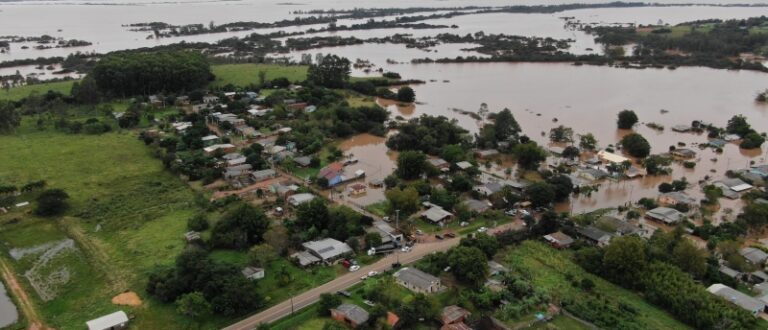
364 277
512 212
406 249
373 273
482 229
354 268
525 213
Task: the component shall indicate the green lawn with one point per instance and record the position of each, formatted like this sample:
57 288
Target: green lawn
18 93
248 73
547 268
127 216
561 322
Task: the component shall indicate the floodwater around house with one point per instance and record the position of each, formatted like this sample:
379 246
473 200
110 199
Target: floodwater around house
375 159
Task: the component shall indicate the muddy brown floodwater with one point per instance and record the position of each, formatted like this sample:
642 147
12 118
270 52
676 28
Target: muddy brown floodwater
587 98
375 159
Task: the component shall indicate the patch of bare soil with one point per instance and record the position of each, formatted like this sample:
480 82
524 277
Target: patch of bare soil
128 298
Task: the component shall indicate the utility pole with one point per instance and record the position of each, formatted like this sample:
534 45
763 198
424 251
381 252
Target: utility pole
291 304
397 226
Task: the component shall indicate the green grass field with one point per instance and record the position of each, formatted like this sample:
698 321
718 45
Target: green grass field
248 73
18 93
547 269
127 217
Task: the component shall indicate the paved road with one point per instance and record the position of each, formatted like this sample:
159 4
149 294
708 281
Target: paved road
345 281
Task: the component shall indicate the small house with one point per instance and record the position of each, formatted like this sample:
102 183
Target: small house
675 198
436 214
357 189
303 161
752 305
683 153
418 281
454 314
115 321
224 148
594 235
735 184
464 165
263 175
755 256
717 143
210 140
489 188
299 199
327 250
350 314
439 164
559 240
487 153
666 215
238 171
253 273
611 157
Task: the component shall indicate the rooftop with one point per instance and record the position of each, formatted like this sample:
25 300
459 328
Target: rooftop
436 214
665 214
108 321
416 278
327 248
742 300
355 313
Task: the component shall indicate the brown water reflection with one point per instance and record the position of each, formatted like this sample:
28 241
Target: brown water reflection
587 98
375 159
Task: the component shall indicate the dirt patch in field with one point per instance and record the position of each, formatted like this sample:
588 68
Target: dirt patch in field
128 298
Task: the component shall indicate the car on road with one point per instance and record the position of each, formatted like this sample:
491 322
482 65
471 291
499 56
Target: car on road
354 268
482 229
438 236
405 249
419 232
364 277
450 235
344 293
373 273
385 219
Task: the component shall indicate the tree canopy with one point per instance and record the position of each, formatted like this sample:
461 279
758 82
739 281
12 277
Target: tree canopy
627 119
636 145
332 72
143 73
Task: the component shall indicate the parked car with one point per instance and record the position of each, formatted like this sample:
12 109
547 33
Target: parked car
511 212
385 219
369 303
464 224
406 249
438 236
373 273
450 235
354 268
482 229
525 213
344 293
419 232
364 277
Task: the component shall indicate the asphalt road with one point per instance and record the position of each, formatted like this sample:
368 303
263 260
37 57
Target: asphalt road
345 281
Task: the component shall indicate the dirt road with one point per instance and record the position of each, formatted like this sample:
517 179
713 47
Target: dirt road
307 298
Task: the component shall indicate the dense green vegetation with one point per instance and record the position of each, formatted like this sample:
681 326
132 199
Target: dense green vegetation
134 73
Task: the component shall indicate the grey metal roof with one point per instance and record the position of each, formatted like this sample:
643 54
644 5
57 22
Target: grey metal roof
665 214
754 255
436 214
354 313
327 248
592 233
740 299
305 258
416 278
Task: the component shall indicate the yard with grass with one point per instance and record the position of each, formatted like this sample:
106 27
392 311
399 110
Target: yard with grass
18 93
248 73
548 270
127 217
